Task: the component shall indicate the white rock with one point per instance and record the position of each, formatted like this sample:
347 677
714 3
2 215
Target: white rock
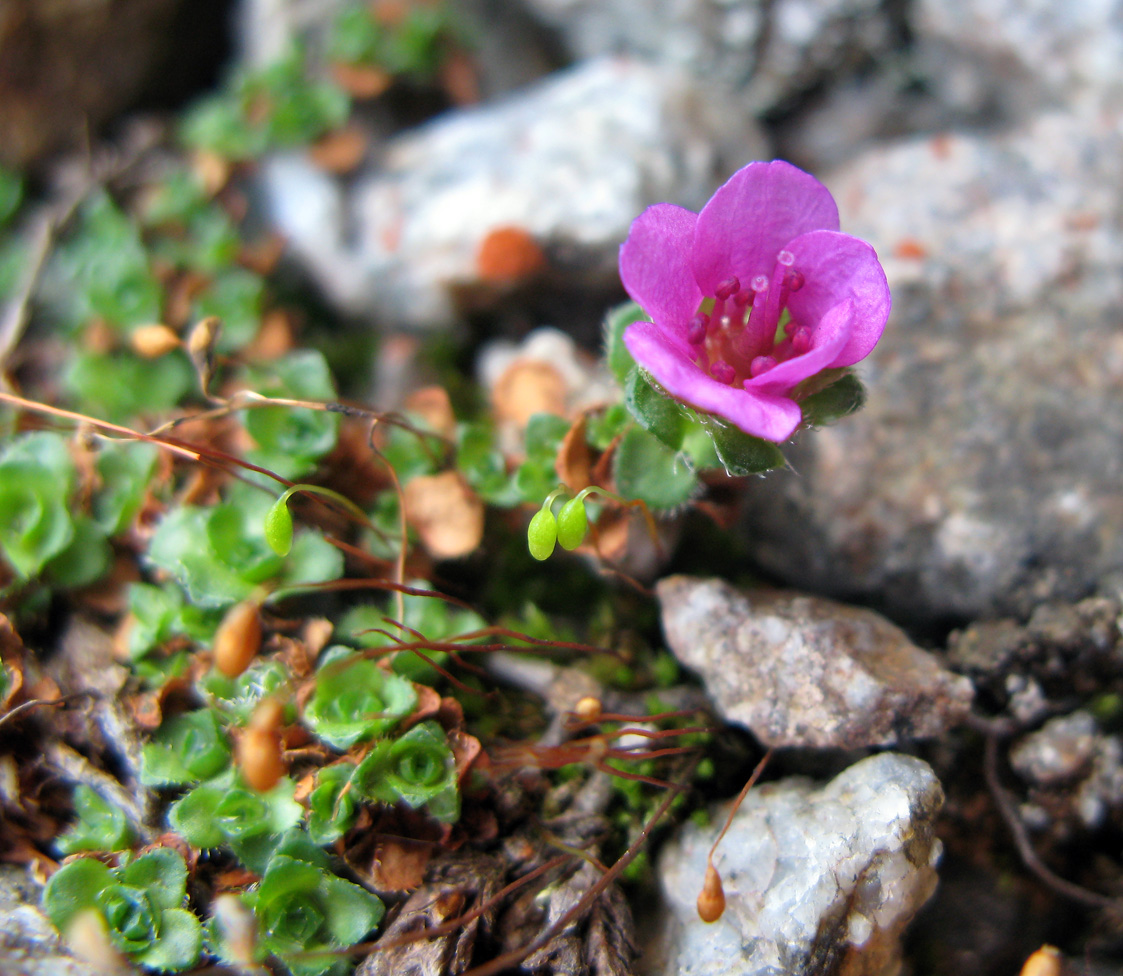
809 874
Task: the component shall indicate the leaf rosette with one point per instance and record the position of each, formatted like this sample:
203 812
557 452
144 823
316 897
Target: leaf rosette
356 699
417 769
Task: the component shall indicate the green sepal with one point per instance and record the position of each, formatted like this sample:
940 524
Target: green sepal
616 354
653 409
740 453
844 396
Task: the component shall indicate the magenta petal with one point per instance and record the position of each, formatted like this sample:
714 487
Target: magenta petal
829 339
752 217
655 264
838 268
761 414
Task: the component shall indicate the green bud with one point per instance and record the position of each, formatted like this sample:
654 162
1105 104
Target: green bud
542 533
573 523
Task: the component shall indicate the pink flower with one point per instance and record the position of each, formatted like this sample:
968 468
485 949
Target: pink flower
716 284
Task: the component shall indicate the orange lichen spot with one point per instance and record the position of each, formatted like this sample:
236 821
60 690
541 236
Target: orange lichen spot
508 254
910 249
527 387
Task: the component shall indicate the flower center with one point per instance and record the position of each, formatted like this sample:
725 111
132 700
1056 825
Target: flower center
740 333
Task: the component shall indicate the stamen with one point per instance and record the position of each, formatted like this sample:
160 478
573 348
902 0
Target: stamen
723 372
786 258
795 281
761 364
696 331
727 289
757 337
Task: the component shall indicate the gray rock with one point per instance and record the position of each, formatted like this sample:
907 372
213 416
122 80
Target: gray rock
803 671
983 476
571 162
769 51
810 875
1056 48
1060 750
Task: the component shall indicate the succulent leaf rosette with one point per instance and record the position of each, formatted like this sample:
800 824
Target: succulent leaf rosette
751 297
417 769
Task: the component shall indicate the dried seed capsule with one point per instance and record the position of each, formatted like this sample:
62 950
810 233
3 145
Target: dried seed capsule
711 902
588 709
154 340
238 639
1046 961
259 751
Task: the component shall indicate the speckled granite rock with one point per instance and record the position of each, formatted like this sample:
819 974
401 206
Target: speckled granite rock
802 671
767 50
811 876
983 475
569 162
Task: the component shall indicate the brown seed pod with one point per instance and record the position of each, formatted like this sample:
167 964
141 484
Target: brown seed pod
588 709
154 340
259 752
711 902
238 639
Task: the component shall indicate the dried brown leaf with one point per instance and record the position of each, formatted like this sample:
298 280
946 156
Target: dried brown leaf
446 513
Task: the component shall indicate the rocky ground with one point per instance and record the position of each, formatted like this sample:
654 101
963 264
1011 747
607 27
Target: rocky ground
931 639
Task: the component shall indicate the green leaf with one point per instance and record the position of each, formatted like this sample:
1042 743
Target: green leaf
740 453
192 816
237 297
101 826
120 385
331 807
125 470
185 749
11 194
356 699
73 888
846 395
36 478
161 872
619 360
130 915
653 409
290 440
645 468
154 611
86 557
179 944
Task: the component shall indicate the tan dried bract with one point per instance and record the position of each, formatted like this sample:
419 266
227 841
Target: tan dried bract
527 387
446 513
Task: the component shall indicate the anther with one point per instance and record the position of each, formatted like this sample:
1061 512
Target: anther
727 289
696 331
795 281
723 372
742 298
761 364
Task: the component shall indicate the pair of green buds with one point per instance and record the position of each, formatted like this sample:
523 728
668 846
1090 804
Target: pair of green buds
567 529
